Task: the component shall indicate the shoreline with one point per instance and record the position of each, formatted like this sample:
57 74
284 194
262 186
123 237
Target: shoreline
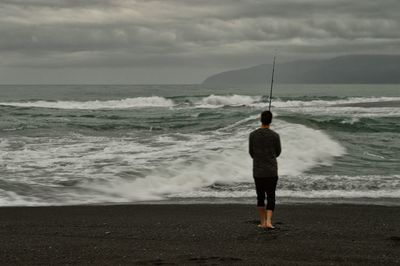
193 234
358 201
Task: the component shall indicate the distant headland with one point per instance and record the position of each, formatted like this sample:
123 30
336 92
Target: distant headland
349 69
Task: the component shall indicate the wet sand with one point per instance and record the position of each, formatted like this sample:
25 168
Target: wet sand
308 234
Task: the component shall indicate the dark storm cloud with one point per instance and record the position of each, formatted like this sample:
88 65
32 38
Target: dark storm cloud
201 33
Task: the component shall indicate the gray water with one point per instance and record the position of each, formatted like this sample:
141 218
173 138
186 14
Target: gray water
121 144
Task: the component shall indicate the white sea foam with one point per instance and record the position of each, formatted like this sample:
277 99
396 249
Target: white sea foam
334 108
311 187
315 107
353 113
138 102
215 101
305 148
229 164
218 101
306 194
351 100
126 169
351 120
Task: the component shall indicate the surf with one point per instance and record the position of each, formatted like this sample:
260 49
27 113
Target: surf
190 144
137 102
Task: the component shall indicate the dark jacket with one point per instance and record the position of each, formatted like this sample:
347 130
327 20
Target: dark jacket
264 148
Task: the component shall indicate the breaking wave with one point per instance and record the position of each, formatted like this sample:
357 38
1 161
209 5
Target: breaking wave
83 169
193 147
310 187
138 102
215 101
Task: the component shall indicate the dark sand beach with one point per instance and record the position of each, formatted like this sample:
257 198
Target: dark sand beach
308 234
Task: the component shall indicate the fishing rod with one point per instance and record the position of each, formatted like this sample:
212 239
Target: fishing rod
272 84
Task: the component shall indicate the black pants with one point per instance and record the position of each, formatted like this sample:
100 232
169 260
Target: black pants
266 185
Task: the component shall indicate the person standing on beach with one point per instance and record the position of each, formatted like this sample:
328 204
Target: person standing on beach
264 148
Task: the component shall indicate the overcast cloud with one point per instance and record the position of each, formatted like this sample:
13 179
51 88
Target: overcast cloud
181 41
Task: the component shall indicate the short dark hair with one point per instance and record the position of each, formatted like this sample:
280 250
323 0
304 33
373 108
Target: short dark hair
266 117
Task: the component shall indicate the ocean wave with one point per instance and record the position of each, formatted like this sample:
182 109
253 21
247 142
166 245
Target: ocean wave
215 101
138 102
227 162
127 170
310 187
304 194
339 107
303 102
304 105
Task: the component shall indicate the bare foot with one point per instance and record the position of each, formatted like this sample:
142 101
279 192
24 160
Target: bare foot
269 226
262 226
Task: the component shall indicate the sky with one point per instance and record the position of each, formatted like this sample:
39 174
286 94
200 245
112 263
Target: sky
181 41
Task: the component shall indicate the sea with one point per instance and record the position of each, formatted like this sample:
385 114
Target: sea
124 144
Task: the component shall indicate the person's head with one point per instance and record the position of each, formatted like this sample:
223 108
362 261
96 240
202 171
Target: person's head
266 118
